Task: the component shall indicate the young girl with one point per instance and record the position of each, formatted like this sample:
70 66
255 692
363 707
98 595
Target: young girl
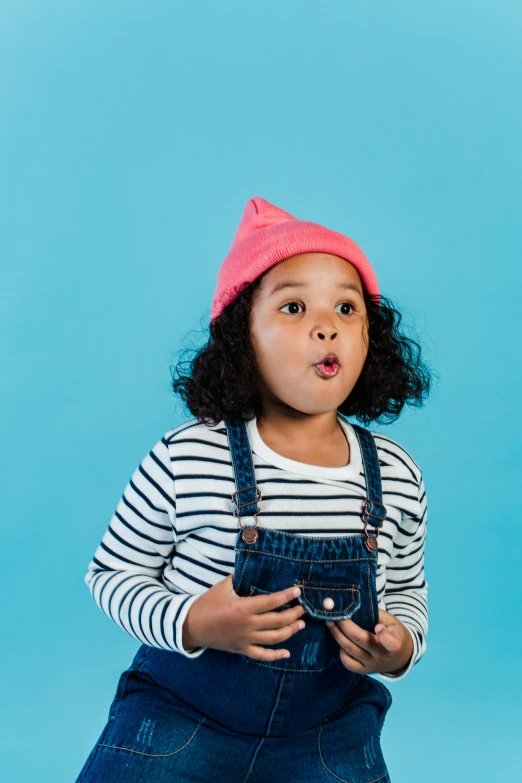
268 554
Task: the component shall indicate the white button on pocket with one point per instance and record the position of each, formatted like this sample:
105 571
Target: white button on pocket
328 603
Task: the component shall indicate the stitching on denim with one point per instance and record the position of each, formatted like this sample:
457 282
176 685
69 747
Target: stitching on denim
157 755
372 602
243 569
251 768
234 466
267 592
287 668
381 777
327 587
363 452
93 754
278 699
366 442
122 683
329 613
310 560
373 596
144 660
250 466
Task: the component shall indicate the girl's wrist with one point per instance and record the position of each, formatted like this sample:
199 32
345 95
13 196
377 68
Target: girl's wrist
189 637
409 652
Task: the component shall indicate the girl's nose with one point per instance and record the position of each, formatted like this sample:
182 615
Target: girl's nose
326 333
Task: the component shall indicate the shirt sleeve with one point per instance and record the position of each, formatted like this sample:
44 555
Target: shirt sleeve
406 591
125 574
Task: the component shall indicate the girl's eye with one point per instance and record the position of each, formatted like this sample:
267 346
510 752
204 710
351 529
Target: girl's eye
290 304
346 304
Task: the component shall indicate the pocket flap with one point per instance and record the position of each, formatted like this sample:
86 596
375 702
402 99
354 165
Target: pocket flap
346 599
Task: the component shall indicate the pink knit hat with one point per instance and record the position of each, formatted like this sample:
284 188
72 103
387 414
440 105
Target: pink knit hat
267 235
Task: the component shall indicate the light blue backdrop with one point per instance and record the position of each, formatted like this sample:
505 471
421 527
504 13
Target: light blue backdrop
131 136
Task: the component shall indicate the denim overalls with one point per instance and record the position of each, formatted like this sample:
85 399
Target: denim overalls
227 717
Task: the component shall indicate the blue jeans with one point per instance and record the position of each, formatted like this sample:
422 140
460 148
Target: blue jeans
224 716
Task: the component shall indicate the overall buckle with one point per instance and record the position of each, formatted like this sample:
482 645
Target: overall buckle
371 542
249 534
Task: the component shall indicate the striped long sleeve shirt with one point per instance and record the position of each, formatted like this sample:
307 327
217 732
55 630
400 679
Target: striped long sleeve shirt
172 534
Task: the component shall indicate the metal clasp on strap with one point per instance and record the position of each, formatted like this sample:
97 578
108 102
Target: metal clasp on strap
368 513
250 502
249 534
371 542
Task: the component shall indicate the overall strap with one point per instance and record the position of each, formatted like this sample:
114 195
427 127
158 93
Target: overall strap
247 493
374 512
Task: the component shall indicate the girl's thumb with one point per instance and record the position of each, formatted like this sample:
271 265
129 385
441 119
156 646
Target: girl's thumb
387 636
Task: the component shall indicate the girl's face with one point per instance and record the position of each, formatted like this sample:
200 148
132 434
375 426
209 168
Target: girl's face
307 306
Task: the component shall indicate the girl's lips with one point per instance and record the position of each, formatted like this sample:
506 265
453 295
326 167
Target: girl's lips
327 370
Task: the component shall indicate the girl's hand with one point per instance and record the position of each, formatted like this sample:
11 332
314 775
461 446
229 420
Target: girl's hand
388 650
222 619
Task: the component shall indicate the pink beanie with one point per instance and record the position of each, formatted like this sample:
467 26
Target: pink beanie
267 235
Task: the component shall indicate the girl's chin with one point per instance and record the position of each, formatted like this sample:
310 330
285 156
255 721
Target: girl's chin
314 404
321 395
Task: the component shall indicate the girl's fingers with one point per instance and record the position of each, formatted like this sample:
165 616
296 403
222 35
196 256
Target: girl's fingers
276 635
352 663
260 604
351 648
363 639
262 654
278 619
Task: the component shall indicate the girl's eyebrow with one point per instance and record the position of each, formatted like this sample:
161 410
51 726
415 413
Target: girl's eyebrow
294 284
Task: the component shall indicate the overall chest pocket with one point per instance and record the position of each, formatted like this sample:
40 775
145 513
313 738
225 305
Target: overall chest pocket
322 600
329 600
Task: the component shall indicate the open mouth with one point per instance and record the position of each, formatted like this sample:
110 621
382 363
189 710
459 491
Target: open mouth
327 368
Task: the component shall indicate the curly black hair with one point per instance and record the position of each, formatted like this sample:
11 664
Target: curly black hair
222 381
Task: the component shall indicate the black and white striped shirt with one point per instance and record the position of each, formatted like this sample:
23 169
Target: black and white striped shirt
173 533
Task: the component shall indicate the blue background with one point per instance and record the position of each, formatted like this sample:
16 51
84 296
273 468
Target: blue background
131 136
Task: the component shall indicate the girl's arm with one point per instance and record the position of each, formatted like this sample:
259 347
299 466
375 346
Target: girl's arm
406 592
124 576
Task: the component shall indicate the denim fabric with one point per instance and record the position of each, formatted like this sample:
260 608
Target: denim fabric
224 716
